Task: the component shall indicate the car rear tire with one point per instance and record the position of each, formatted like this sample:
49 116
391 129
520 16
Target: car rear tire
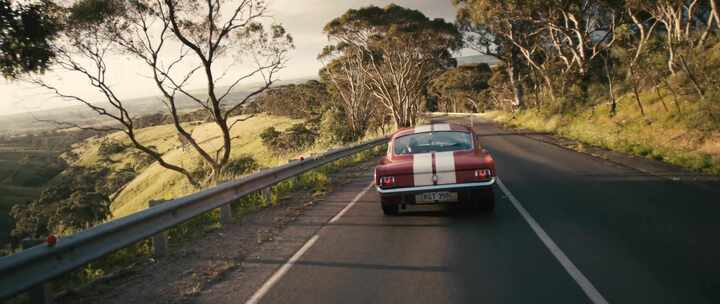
389 208
485 201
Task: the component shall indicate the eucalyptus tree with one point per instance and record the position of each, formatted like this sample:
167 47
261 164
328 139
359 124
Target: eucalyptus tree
686 26
343 70
511 32
26 31
461 86
404 50
179 41
546 34
496 37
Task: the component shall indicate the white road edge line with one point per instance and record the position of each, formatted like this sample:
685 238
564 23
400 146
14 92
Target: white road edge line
571 269
260 293
281 272
351 204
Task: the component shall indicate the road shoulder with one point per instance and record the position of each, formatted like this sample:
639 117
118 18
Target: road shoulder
213 268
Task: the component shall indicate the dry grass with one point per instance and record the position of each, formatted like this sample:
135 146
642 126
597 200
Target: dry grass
154 182
668 135
157 183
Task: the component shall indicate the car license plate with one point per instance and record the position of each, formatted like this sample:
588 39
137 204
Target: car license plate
435 197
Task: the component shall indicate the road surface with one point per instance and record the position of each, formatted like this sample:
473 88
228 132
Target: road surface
568 228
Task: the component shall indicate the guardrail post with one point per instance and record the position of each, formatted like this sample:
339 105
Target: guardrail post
266 194
226 214
160 240
294 179
41 294
25 269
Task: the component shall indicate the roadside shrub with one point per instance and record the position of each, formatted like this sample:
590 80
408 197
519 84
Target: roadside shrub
243 165
300 137
270 137
152 120
110 147
296 138
141 160
72 202
335 128
117 180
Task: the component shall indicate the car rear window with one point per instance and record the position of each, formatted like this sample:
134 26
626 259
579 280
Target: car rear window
432 142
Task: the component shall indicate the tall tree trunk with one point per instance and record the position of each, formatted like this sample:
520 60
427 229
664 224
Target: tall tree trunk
549 86
611 91
671 53
536 90
674 94
662 98
636 90
714 10
692 78
518 94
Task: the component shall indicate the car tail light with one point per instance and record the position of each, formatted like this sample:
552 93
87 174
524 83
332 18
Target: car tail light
387 181
483 173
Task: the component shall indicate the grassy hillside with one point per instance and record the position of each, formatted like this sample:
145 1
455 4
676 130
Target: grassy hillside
110 164
154 182
679 133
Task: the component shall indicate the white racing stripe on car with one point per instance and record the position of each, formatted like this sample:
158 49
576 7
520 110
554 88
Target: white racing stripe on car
422 169
422 129
445 167
441 127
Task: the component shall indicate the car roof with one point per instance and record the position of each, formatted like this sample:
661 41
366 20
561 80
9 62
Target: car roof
430 128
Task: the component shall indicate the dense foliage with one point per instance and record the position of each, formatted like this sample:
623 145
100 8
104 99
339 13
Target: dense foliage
296 138
462 88
302 101
560 56
396 50
75 201
26 31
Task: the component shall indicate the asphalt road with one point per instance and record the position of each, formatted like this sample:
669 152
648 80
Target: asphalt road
620 236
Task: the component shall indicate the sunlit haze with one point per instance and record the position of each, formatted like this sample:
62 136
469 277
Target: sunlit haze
303 19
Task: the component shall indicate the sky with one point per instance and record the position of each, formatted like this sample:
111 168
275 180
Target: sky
304 20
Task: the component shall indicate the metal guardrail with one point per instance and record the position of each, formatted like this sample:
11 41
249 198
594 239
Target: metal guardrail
39 264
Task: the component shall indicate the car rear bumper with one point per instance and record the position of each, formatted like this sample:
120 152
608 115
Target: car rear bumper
433 188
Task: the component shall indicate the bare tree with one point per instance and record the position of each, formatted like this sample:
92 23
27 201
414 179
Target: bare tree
178 44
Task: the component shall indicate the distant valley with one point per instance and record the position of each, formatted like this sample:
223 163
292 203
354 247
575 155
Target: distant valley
38 121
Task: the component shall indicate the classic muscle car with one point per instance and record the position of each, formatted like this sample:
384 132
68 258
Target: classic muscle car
433 164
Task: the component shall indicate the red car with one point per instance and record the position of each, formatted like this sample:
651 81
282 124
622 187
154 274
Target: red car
432 164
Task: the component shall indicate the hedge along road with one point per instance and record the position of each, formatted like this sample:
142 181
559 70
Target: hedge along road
568 228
